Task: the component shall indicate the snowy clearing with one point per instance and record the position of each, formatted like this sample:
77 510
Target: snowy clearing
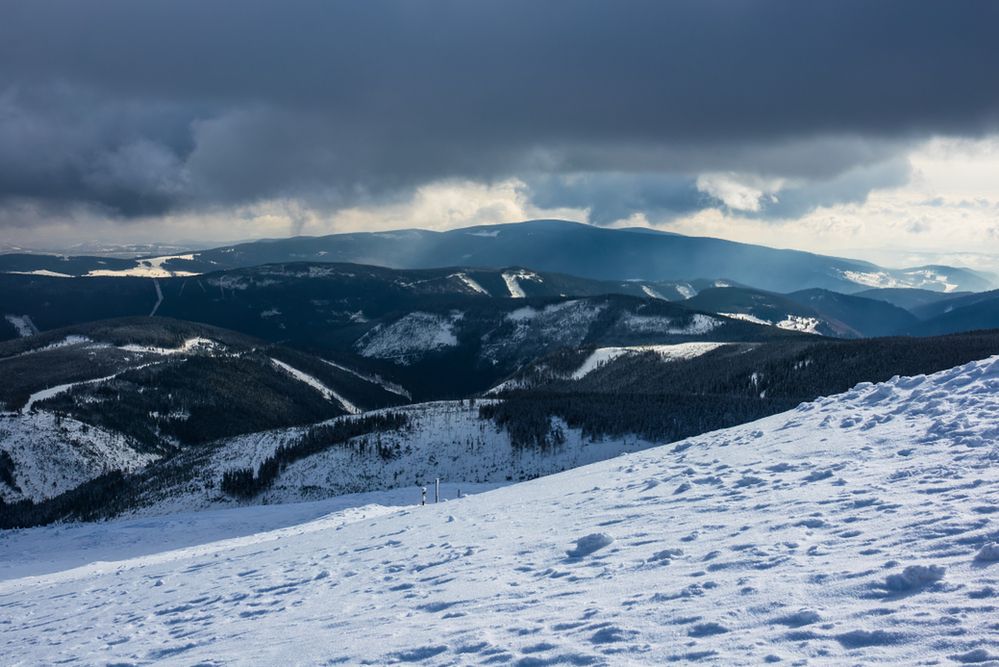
512 278
410 337
22 324
846 531
49 392
52 454
445 440
686 290
390 387
327 393
697 324
603 355
800 323
746 317
190 345
146 268
471 284
650 292
41 272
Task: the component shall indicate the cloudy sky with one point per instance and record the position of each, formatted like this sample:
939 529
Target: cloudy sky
862 128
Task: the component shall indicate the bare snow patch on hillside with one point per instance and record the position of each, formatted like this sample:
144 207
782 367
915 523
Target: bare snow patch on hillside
566 323
800 323
22 324
512 278
686 290
696 325
471 283
603 355
410 337
313 382
51 392
196 344
746 317
41 272
52 454
68 341
651 292
147 268
446 440
373 378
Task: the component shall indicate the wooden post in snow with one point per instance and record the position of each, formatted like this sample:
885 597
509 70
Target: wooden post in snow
437 490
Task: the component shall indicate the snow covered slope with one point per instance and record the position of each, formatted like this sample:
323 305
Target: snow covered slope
857 529
47 455
446 440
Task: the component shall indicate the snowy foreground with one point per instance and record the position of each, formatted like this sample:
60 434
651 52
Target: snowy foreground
853 530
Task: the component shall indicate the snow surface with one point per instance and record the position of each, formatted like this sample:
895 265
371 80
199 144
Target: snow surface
566 323
471 284
188 346
313 382
790 322
22 324
146 268
842 532
800 323
445 440
41 272
650 292
512 278
914 278
49 392
746 317
65 342
698 324
390 387
54 454
686 290
410 337
602 355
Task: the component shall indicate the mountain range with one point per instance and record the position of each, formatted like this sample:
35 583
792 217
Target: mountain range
241 374
541 245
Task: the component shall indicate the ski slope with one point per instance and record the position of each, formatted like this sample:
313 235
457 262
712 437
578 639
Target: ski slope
856 529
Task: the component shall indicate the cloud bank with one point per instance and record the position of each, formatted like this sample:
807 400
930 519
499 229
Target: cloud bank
164 112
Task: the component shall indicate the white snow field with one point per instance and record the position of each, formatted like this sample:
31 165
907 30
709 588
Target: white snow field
603 355
512 278
410 337
445 440
53 454
147 268
856 529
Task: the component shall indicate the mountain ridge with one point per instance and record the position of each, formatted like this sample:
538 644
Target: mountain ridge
558 246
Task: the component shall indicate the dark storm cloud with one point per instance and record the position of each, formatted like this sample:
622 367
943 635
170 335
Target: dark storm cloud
144 107
615 196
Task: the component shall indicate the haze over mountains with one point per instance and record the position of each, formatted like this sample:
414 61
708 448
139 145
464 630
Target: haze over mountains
542 245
